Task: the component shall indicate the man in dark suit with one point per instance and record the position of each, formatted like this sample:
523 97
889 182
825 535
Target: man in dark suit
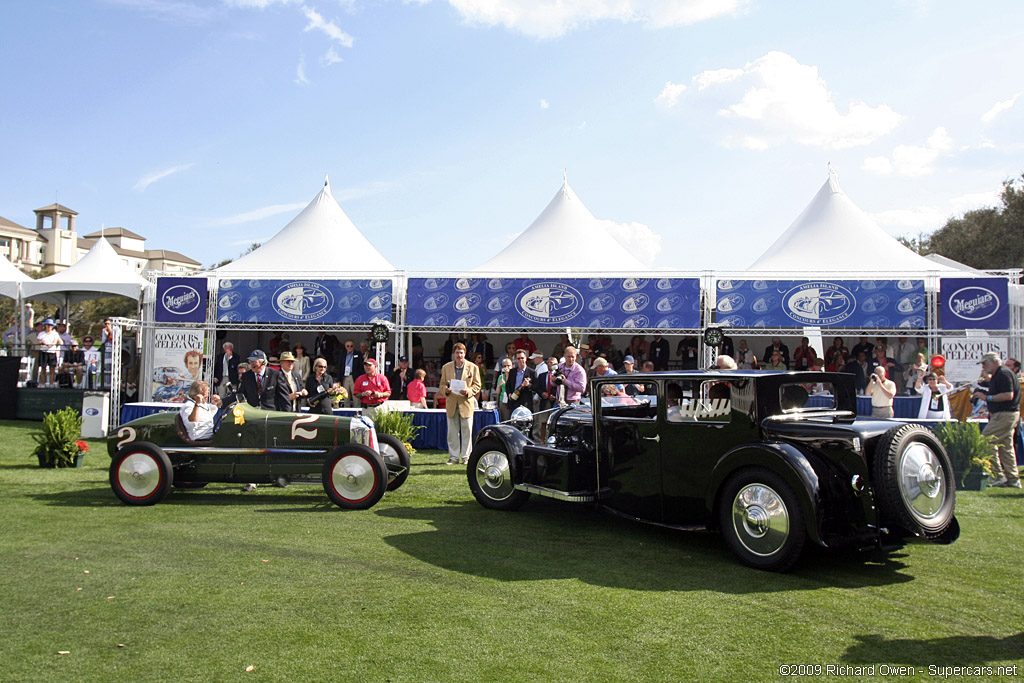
323 346
258 384
226 360
399 379
288 389
350 366
659 353
776 345
520 383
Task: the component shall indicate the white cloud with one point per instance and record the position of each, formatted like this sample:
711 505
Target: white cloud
330 57
300 72
553 18
257 214
775 99
931 218
329 28
638 238
150 178
998 108
544 104
911 161
670 94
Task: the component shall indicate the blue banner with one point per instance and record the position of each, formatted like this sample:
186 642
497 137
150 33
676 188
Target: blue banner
974 303
822 303
181 300
604 303
334 302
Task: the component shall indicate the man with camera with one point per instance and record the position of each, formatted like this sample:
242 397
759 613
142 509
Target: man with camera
200 411
571 376
999 387
881 391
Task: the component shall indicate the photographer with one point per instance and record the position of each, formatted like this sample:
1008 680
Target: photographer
572 376
881 391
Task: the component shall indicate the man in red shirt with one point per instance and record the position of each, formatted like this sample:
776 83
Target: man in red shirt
372 388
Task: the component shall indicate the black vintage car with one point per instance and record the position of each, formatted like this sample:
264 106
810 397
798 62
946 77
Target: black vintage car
745 453
353 463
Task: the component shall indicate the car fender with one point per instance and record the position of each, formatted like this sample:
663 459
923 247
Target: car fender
789 462
513 442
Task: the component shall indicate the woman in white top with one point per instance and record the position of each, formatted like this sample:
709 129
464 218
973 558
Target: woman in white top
934 402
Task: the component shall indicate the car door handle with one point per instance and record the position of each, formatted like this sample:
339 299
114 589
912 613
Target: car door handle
653 438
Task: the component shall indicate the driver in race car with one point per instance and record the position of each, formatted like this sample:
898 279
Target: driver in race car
200 412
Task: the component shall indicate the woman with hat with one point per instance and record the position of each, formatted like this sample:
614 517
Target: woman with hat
49 343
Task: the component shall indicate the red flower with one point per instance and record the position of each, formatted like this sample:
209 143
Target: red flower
83 447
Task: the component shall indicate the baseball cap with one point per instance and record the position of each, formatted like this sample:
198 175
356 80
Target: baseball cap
258 355
629 359
991 355
599 361
536 354
403 359
370 361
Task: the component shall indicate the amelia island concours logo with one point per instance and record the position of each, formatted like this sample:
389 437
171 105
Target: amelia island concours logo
181 300
819 303
549 302
302 301
974 303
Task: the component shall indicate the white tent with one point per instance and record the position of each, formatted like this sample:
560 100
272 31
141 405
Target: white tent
833 235
565 239
10 277
99 273
320 240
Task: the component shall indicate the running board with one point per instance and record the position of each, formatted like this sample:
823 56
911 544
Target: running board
569 496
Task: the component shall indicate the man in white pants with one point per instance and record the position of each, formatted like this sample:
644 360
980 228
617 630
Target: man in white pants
460 402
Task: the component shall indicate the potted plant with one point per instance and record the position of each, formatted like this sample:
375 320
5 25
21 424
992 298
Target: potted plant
58 443
83 448
970 451
398 425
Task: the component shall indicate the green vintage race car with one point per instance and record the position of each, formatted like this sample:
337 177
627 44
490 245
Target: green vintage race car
345 455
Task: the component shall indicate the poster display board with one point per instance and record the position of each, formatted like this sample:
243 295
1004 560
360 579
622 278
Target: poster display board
600 303
963 355
181 299
974 304
822 303
177 362
331 302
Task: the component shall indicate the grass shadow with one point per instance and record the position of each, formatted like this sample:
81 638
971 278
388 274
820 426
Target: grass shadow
310 500
952 651
551 540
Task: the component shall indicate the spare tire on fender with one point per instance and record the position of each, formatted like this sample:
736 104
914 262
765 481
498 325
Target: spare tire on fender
913 477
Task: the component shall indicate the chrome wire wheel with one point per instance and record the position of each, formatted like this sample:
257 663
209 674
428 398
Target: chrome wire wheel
760 519
139 475
493 476
353 477
921 481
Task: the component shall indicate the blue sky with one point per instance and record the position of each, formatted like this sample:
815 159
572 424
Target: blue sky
700 128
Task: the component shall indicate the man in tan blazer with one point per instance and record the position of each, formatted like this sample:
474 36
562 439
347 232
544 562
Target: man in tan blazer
459 405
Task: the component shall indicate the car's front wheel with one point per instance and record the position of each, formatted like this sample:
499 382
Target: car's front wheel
141 474
394 453
490 474
761 520
914 480
355 477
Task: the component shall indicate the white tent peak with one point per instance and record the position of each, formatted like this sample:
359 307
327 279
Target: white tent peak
320 239
834 235
565 238
101 271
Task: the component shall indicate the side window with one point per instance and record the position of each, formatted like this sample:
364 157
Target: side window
707 401
639 404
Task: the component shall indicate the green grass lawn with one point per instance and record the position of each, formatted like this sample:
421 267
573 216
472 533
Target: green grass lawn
430 586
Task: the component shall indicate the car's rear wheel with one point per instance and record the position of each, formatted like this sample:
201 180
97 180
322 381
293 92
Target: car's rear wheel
394 453
491 477
914 481
354 477
761 520
141 474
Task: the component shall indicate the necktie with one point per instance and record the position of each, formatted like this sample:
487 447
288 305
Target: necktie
259 384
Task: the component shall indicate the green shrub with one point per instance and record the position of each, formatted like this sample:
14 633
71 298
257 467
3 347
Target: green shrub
398 425
57 443
968 449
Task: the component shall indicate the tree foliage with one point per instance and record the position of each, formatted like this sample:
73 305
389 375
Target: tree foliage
985 238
